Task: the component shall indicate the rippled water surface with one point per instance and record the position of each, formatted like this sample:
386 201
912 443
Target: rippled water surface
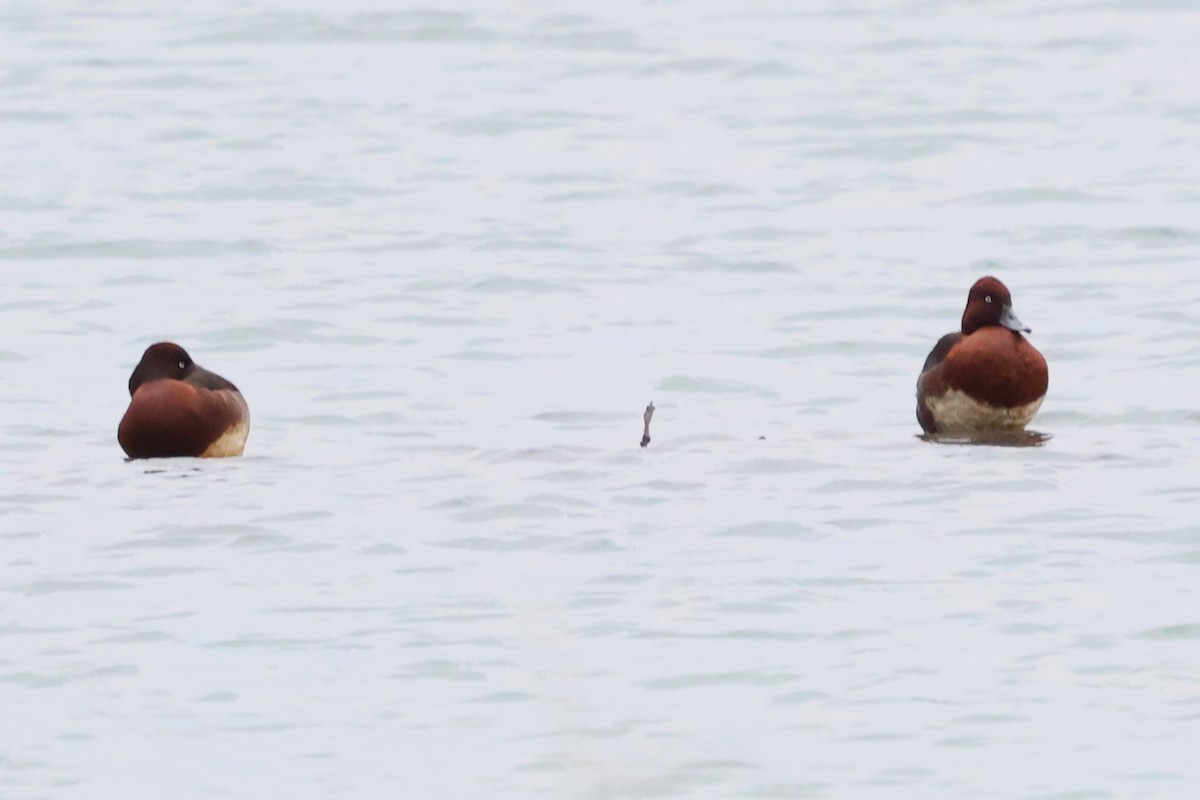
449 256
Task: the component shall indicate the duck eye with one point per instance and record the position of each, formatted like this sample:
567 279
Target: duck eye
986 299
184 366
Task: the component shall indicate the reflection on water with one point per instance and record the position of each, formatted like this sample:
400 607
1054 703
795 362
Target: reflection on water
1025 438
175 469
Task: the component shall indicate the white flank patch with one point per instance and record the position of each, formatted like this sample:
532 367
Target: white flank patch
955 411
233 440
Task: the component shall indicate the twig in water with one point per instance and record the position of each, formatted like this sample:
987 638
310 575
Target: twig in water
646 433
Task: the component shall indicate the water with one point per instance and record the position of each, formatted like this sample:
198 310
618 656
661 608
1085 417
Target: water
449 257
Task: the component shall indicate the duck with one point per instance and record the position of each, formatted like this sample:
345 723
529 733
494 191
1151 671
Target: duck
177 408
986 377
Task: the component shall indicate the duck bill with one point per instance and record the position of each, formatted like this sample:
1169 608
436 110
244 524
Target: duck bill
1009 320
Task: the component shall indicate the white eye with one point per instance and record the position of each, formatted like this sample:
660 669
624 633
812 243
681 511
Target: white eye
986 299
184 366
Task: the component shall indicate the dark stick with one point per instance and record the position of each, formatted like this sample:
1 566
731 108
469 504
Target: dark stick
646 433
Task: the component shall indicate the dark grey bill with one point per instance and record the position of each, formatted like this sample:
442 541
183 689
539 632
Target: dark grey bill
1009 320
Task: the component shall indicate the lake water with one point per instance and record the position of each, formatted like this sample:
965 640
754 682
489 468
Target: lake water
449 256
